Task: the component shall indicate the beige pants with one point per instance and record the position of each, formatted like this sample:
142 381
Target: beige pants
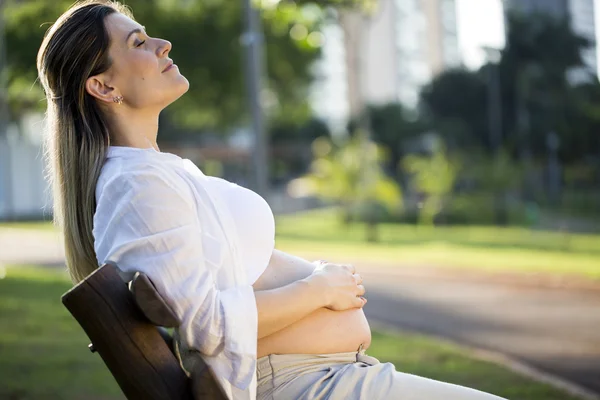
348 376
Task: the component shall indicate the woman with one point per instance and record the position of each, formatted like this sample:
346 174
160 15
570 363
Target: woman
207 244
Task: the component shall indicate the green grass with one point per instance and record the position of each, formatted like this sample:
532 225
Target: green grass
43 351
423 356
320 234
35 225
44 355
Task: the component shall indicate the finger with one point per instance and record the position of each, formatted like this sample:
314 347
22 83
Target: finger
350 268
361 290
359 302
358 279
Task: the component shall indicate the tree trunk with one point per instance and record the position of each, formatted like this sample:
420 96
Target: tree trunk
372 231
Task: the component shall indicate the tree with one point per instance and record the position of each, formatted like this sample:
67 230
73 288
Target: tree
496 175
536 96
583 116
434 176
206 45
351 175
456 103
283 131
391 125
540 54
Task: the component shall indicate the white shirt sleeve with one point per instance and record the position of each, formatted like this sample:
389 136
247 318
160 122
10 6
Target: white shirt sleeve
149 222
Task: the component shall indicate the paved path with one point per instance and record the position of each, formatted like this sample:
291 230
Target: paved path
555 330
24 246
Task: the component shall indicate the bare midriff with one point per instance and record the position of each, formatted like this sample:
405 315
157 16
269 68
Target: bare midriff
322 332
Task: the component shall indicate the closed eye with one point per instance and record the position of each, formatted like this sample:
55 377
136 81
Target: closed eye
140 43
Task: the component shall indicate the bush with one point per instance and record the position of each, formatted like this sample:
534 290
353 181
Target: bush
461 209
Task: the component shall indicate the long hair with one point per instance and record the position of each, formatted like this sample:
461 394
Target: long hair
74 48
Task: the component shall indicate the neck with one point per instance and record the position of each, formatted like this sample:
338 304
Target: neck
133 128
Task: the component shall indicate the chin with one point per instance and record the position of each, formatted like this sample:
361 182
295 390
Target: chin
182 87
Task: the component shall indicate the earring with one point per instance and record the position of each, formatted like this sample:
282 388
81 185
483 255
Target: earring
118 99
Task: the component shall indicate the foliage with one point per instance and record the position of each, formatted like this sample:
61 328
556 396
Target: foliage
206 46
392 126
283 131
496 173
351 175
541 55
473 208
455 101
582 123
433 177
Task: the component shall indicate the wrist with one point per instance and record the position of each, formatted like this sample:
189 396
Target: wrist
316 290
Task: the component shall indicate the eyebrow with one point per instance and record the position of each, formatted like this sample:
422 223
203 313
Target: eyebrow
136 30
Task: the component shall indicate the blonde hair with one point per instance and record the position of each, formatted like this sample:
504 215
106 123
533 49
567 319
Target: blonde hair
75 48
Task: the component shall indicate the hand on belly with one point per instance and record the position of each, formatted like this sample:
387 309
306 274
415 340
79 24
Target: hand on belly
322 332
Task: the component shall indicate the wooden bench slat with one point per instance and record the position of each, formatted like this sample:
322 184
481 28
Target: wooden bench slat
131 347
151 302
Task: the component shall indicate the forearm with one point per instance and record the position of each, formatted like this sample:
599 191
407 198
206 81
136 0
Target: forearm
281 307
283 295
282 270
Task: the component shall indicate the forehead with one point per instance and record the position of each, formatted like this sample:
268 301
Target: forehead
119 26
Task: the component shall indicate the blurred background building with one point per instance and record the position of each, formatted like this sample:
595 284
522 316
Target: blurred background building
395 51
385 57
24 191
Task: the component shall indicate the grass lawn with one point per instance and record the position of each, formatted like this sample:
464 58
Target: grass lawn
44 355
319 234
36 225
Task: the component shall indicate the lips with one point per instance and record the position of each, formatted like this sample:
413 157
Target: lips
168 67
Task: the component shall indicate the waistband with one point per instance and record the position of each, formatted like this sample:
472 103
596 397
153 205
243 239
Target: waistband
276 363
280 365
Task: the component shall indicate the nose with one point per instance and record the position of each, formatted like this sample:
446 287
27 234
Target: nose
164 48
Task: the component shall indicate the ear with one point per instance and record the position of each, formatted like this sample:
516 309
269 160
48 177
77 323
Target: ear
97 87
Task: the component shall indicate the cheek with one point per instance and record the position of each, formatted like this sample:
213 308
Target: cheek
143 66
135 69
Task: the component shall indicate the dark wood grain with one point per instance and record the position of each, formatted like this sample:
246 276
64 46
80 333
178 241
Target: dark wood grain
156 309
151 302
140 355
131 347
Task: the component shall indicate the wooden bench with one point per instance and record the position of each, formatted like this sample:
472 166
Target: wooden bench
126 325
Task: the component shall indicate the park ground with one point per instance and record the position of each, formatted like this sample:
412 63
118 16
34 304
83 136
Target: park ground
40 342
44 352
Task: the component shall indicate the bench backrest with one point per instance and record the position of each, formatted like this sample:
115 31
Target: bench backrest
130 345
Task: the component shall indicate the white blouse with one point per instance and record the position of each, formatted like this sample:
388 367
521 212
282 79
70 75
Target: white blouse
203 242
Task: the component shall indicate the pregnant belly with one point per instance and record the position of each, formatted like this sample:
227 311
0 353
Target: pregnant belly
324 331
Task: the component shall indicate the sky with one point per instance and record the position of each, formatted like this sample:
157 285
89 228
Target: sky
480 23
